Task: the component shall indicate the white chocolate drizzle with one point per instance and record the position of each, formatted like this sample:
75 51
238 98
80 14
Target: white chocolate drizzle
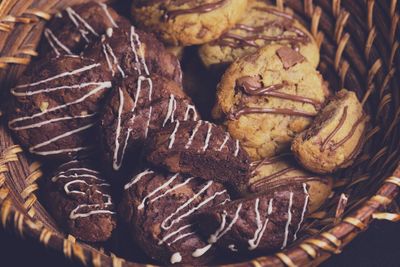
106 11
137 178
136 46
222 230
187 113
261 227
54 42
158 189
195 130
172 137
233 248
89 179
307 197
171 110
176 258
289 220
237 148
208 136
76 19
227 136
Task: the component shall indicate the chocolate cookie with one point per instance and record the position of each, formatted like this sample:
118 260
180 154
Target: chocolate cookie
188 22
137 107
335 138
128 51
55 106
70 31
268 97
262 25
261 223
159 211
200 149
271 173
80 201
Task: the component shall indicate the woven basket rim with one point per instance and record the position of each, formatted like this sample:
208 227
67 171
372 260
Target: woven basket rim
310 251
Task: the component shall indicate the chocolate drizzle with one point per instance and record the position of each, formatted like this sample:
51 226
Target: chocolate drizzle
252 87
256 33
199 9
347 137
276 179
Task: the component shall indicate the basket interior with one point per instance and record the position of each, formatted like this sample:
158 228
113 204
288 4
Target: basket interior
359 51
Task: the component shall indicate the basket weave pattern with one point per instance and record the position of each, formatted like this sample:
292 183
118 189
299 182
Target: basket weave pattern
359 43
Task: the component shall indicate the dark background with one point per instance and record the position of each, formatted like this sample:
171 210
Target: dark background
379 246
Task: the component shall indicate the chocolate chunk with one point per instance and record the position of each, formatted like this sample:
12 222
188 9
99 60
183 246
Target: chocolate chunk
289 57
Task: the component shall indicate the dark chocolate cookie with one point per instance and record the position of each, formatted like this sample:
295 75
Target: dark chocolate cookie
137 107
70 31
128 51
159 210
201 149
80 201
261 223
55 106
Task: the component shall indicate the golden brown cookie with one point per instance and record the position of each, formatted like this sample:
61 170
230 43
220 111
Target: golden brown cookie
336 136
282 170
261 25
268 97
188 22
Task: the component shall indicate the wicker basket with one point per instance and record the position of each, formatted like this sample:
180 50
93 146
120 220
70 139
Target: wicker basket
359 42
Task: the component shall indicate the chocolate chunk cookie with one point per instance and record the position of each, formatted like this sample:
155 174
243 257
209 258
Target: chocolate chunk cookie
70 31
55 106
262 25
159 210
128 51
188 22
261 223
335 138
282 170
80 201
268 97
137 107
200 149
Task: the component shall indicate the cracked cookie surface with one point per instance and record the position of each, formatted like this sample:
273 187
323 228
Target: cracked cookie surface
268 97
261 25
188 22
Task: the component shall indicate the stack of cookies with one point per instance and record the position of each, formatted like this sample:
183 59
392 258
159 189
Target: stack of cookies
106 105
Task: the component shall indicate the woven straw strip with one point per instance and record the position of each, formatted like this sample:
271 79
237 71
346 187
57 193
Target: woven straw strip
285 259
315 21
78 253
29 52
322 244
355 222
256 263
339 52
393 180
39 13
335 7
67 248
96 260
340 24
29 190
381 200
13 19
371 4
5 211
19 222
333 239
31 178
13 60
45 236
309 250
116 261
393 217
